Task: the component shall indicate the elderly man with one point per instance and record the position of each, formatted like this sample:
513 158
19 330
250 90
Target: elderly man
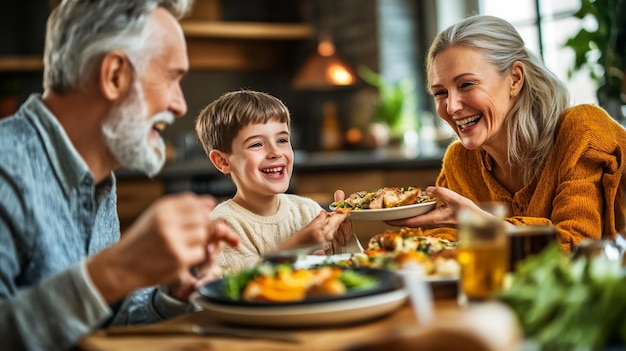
111 83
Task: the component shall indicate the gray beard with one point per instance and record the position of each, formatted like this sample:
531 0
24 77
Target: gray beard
126 134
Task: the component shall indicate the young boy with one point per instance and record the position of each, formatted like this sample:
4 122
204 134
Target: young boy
246 136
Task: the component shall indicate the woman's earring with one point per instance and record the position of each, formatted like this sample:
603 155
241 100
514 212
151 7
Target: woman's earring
514 93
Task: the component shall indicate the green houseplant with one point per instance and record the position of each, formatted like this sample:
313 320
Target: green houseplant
396 103
603 51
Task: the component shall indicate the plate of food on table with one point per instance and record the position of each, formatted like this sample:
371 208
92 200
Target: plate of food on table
271 294
385 203
392 249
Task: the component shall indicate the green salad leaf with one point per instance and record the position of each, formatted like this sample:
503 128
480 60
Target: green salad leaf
235 283
566 304
354 280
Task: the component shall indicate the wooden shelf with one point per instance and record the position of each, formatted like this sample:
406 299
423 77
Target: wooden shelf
214 45
247 30
30 63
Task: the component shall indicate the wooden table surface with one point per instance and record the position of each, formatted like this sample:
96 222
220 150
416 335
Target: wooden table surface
487 326
331 338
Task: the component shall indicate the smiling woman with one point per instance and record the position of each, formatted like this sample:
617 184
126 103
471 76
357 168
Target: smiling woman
521 143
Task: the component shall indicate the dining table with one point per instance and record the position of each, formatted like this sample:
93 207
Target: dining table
331 338
397 323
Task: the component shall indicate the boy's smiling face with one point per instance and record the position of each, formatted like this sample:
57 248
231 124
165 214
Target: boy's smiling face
261 161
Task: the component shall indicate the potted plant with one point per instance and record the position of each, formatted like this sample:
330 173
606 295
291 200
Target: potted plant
603 51
396 104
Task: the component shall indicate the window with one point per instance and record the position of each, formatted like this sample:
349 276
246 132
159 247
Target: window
545 25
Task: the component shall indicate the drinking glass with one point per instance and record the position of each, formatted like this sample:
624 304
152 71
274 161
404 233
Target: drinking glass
483 252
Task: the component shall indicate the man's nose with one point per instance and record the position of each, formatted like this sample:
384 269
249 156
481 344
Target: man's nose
178 105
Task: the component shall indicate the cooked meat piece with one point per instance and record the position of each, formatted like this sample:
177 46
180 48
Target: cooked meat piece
374 242
408 232
385 197
376 203
391 241
377 197
394 196
359 199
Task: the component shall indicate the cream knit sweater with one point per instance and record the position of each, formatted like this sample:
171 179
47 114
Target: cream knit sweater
580 189
260 234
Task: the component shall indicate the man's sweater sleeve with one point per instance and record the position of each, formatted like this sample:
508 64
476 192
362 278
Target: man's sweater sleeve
52 315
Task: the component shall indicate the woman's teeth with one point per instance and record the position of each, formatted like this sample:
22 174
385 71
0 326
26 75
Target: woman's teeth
468 121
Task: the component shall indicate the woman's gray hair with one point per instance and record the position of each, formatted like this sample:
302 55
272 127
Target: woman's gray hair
81 32
531 123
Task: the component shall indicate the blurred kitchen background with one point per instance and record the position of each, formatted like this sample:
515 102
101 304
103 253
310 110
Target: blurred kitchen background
366 124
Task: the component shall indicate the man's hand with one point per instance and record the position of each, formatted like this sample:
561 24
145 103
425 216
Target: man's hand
172 236
190 280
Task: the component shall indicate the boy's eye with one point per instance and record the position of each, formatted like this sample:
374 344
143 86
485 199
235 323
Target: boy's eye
283 140
257 144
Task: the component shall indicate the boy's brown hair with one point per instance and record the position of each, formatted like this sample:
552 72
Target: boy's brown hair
220 121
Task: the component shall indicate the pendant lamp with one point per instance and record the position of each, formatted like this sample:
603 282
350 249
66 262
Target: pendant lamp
324 69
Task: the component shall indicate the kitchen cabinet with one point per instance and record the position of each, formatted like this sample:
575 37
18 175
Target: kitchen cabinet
214 45
21 63
239 45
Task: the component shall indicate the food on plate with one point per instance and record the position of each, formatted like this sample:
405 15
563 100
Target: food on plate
385 197
393 249
284 283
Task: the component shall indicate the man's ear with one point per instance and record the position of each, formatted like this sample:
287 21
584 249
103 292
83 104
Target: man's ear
220 161
116 75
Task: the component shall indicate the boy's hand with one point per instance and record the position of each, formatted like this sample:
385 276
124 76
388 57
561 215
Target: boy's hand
345 232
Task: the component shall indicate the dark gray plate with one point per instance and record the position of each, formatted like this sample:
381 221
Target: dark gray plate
387 281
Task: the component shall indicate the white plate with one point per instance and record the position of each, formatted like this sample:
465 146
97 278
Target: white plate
358 309
313 260
388 214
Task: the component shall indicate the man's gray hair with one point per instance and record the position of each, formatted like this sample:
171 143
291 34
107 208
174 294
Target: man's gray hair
81 32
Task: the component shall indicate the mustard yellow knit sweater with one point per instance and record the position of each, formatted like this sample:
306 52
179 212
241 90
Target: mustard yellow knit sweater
580 189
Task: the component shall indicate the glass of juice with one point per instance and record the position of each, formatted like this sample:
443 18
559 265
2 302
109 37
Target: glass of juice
483 251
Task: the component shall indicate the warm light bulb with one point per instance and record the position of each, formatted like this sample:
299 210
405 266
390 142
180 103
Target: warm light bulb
339 75
326 48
